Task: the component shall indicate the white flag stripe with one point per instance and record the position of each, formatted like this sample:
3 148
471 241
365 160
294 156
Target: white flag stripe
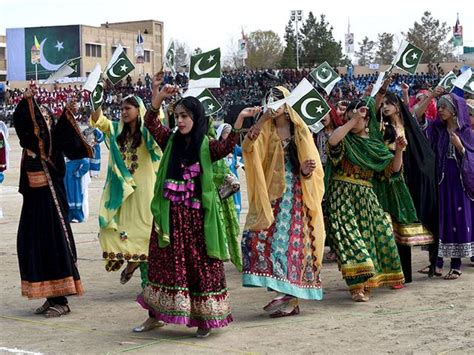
93 78
276 104
462 79
402 48
63 72
378 84
205 83
115 56
301 90
194 92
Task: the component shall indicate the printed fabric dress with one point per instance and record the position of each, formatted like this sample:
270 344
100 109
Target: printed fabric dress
282 256
125 218
361 232
186 285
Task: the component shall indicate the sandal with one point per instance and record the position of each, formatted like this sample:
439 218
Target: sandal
359 296
453 274
202 333
284 313
43 308
127 274
426 271
113 265
57 310
149 324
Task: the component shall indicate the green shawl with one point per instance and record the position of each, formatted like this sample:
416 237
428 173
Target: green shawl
214 233
119 183
368 153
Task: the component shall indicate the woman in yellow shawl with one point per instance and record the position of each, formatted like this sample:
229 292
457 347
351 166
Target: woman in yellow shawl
283 241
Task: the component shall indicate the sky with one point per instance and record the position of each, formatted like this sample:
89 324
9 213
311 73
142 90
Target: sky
212 23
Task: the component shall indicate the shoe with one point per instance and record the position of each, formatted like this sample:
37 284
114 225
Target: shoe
149 324
202 333
284 313
277 303
359 296
398 287
127 274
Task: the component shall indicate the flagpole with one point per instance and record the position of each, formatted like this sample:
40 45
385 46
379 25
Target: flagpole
36 72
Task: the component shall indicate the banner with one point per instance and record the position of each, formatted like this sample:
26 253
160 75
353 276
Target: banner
349 42
41 51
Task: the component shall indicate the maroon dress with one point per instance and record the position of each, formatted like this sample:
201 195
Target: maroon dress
185 285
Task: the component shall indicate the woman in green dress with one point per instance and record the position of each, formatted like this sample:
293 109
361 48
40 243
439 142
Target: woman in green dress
360 230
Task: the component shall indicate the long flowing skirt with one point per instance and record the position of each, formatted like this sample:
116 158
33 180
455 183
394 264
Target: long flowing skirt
282 257
185 286
456 235
46 256
362 236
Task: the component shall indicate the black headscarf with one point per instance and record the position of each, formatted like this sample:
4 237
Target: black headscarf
186 148
419 169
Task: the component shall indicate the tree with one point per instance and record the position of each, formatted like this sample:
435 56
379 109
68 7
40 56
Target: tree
232 58
429 35
288 58
366 53
318 43
264 49
385 52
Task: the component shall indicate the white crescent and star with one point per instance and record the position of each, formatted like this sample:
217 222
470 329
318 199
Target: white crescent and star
59 45
111 70
200 72
404 58
304 109
211 106
322 79
44 62
101 93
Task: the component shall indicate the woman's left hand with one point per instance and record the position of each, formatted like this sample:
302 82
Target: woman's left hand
400 143
307 167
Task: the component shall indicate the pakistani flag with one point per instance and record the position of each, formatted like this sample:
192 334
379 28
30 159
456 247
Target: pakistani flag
325 76
119 66
205 70
308 103
169 62
71 66
465 81
408 57
378 84
97 96
447 81
211 105
93 78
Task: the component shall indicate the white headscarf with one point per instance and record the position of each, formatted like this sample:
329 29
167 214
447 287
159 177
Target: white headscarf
222 128
4 130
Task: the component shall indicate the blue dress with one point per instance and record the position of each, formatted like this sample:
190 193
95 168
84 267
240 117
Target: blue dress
75 169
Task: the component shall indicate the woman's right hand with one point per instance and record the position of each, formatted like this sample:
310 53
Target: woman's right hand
28 94
437 92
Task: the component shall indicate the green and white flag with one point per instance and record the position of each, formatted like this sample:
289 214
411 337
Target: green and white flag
97 96
465 81
447 81
205 70
169 62
378 84
408 57
64 71
210 103
119 66
93 78
325 76
308 103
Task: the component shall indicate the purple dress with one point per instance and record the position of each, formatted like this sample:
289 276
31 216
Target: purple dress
456 184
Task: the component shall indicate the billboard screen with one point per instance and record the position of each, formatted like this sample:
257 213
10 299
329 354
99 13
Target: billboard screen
39 51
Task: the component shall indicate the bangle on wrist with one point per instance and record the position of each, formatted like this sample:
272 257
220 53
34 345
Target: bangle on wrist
155 110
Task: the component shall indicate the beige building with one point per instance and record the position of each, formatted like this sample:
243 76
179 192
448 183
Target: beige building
99 43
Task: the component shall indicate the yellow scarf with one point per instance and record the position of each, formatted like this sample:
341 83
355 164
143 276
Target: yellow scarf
265 171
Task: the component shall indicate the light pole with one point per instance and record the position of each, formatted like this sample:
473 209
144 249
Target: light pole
297 17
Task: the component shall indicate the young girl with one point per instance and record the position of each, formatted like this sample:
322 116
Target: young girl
125 218
188 243
359 229
283 241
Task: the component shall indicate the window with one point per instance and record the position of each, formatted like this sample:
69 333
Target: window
147 57
93 50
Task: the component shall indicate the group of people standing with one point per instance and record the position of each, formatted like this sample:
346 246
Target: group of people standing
387 180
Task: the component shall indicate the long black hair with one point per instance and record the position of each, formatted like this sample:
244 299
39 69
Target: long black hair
126 131
186 147
275 94
390 134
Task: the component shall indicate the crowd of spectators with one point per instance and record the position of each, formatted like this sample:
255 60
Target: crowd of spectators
237 87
